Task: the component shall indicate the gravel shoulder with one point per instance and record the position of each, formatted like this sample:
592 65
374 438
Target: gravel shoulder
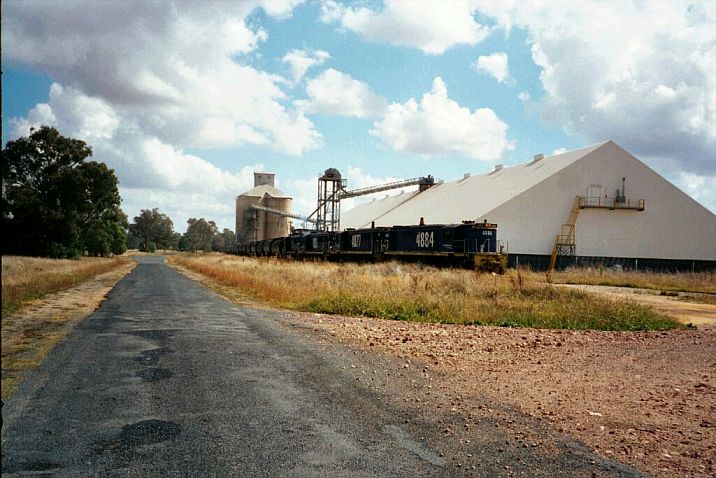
646 399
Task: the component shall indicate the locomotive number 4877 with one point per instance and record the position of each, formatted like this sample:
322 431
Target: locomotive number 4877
425 239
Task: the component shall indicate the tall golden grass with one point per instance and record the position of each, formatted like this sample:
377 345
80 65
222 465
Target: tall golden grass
417 293
28 278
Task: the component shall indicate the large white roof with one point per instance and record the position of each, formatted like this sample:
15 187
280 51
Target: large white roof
465 199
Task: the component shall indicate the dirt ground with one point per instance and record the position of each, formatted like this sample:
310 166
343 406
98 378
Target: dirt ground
647 399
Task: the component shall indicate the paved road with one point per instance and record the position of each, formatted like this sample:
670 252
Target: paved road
167 378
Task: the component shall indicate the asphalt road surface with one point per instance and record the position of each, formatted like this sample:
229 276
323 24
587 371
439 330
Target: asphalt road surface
168 379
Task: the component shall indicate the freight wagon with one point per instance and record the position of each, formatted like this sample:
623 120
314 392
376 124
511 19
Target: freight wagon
470 244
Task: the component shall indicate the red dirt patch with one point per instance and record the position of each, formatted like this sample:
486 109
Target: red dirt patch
644 398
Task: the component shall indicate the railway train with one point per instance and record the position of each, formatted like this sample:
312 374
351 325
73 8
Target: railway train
470 244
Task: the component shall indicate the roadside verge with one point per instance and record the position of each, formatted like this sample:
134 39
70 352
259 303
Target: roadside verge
29 333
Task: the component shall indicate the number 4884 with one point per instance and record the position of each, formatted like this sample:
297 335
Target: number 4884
425 239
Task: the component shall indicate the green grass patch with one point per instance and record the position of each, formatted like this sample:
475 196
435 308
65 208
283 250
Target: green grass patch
541 307
343 303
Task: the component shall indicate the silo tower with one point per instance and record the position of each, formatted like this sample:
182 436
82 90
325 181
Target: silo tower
253 225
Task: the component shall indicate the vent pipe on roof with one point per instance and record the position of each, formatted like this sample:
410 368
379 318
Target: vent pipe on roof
538 157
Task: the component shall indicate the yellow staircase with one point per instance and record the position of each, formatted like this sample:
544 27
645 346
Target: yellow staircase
564 243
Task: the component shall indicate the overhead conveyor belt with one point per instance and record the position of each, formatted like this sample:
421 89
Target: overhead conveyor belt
279 212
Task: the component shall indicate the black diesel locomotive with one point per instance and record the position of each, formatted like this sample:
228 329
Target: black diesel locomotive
469 244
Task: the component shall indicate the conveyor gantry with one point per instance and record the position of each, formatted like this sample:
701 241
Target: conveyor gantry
424 183
332 189
279 212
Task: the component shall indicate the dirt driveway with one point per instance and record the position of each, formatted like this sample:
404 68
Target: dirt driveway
686 307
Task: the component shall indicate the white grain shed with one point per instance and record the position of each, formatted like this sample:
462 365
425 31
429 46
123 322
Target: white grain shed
531 201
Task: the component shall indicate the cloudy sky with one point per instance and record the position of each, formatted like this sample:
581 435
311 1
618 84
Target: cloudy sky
186 99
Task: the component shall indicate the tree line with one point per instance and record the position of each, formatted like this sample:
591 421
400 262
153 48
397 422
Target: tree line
152 230
58 203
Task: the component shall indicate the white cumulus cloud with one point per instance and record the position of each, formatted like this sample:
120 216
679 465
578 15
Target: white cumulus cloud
640 73
432 27
143 81
337 93
301 60
494 65
439 125
304 194
179 71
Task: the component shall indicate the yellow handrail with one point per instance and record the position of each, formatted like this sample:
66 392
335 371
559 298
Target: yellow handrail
568 238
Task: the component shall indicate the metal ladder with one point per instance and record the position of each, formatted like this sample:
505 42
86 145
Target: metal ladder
564 243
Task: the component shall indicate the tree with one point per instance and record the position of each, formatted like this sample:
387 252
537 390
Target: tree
176 239
183 243
151 230
56 203
217 243
103 224
200 234
228 236
223 239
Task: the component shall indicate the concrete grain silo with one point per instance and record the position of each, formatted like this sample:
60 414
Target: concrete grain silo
254 225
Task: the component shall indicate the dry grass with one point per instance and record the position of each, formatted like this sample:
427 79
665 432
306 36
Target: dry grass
28 278
674 281
28 352
31 330
423 294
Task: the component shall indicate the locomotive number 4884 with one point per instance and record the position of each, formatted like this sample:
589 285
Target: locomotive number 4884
425 239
